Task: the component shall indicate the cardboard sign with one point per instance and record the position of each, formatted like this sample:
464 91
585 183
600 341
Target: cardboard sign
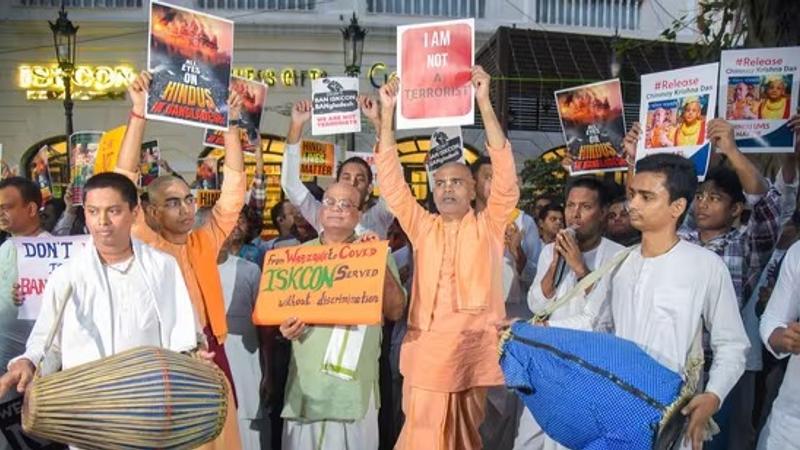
207 174
447 146
37 257
41 173
83 150
149 169
335 106
758 93
108 149
594 126
317 158
11 435
338 284
190 56
434 62
675 109
254 96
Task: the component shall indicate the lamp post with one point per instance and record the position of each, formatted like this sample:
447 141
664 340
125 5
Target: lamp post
64 33
353 40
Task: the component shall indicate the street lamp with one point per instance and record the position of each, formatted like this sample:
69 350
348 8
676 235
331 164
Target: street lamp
64 33
353 37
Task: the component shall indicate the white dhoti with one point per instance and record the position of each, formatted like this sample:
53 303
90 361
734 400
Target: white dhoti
333 434
530 435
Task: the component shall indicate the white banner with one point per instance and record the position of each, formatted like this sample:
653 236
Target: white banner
37 257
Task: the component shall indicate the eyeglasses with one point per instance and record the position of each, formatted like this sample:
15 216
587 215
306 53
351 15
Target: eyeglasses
175 203
343 204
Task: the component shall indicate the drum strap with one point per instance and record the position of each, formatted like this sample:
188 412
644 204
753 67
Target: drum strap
585 283
62 299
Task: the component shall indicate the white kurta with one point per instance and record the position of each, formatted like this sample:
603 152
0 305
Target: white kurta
376 219
782 431
240 279
109 311
659 303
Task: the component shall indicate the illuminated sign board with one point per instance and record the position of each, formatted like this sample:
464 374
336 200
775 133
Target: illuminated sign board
46 82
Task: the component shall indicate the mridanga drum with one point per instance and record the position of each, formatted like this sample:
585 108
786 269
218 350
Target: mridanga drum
142 398
146 397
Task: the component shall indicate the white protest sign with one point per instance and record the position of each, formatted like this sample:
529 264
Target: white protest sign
334 106
37 257
758 93
675 109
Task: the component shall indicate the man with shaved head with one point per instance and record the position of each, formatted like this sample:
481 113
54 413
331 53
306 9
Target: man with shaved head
449 354
172 206
336 408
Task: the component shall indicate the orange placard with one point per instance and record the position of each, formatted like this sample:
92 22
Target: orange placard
338 284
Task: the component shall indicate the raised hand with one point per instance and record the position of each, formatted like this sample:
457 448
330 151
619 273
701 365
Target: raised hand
234 106
301 112
629 143
388 95
137 91
369 106
481 81
720 132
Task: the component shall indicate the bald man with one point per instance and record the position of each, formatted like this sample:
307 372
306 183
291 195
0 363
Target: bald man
331 409
172 206
449 354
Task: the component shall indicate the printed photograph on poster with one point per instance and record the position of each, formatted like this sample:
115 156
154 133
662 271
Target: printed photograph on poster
41 173
675 108
83 149
148 165
758 94
317 158
334 102
678 122
447 146
593 124
434 63
254 97
207 174
190 56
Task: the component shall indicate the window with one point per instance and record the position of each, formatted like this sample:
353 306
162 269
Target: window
441 8
276 5
612 14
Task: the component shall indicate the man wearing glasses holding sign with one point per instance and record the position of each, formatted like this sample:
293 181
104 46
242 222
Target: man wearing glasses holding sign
172 206
336 408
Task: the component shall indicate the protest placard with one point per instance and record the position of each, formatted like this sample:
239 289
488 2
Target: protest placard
37 257
207 177
675 108
334 106
758 93
339 284
41 173
189 55
83 150
447 145
254 96
108 149
317 158
434 62
148 163
593 123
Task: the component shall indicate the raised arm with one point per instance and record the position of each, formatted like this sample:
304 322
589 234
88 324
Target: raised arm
505 189
294 188
391 182
130 151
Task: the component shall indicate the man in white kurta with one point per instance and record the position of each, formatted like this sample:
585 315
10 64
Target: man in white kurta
117 293
780 331
355 171
667 290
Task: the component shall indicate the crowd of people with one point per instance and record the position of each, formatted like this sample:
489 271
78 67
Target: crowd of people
711 267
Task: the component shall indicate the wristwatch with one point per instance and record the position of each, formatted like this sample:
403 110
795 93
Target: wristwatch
235 123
